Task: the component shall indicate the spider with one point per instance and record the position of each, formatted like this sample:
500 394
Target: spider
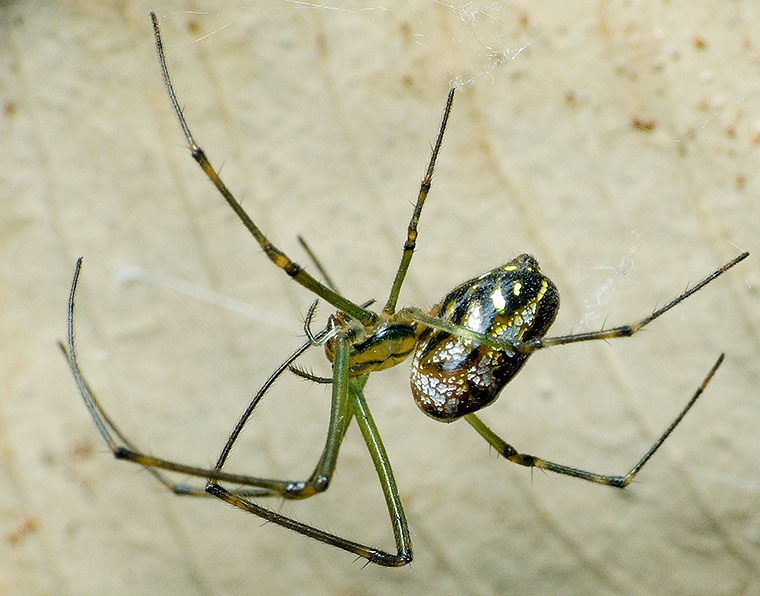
463 352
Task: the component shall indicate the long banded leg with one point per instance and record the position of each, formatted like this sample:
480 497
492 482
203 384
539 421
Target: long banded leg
628 330
506 450
128 451
527 347
340 418
411 233
274 254
348 401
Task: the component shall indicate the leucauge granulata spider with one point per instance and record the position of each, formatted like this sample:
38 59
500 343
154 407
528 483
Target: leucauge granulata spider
463 352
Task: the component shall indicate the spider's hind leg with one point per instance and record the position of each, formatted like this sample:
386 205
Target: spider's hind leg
506 450
347 402
123 448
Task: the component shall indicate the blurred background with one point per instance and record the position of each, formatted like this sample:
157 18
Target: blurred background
619 142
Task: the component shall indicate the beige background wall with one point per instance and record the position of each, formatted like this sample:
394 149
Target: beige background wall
322 119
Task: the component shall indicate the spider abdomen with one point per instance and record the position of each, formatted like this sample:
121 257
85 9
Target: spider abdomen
452 376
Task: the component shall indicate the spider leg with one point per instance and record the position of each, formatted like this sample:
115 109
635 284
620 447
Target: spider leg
506 450
538 343
109 431
411 234
128 451
340 418
274 254
628 330
313 257
347 402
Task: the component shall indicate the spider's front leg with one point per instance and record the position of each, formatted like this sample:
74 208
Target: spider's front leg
277 256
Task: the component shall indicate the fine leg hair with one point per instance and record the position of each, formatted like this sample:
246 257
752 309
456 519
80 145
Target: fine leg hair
506 450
